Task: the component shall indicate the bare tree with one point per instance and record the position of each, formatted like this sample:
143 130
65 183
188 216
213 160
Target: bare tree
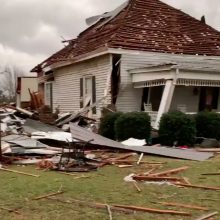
10 74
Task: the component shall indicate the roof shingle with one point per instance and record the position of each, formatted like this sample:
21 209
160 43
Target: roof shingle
145 25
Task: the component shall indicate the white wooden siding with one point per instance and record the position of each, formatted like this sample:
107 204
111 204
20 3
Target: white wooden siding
129 99
66 92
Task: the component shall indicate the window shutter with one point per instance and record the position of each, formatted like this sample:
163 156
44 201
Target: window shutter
215 98
81 93
93 93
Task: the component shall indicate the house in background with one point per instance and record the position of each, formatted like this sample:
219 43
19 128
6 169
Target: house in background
143 56
25 85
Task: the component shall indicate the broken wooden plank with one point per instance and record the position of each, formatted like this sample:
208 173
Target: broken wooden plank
82 134
152 178
10 210
136 186
92 205
198 186
48 195
124 166
140 158
142 162
183 206
19 172
207 216
170 172
186 180
152 210
125 156
210 174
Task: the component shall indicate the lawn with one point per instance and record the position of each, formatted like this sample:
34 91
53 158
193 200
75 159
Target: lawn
106 186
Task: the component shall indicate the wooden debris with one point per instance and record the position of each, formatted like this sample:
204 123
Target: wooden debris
125 156
140 158
210 174
19 172
142 162
109 212
170 172
152 178
124 166
136 186
198 186
152 170
48 195
186 181
207 216
151 210
10 210
184 206
92 205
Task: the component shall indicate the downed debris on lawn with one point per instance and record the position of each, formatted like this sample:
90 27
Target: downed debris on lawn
165 178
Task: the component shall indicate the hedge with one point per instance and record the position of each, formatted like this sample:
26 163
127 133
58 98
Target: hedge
177 128
133 125
208 125
107 125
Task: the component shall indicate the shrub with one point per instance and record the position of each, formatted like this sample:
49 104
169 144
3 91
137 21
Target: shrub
107 123
133 125
208 125
177 127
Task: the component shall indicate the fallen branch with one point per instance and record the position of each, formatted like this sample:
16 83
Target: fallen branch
183 206
170 172
158 211
19 172
48 195
203 217
136 186
198 186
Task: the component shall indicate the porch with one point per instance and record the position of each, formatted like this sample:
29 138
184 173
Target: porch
172 87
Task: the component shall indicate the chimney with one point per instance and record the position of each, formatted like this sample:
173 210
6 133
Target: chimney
203 19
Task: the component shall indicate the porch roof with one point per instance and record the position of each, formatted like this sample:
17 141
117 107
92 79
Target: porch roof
188 74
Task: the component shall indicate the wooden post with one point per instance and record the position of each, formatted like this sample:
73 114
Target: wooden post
165 101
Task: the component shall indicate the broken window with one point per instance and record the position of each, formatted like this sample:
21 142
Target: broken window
49 94
88 92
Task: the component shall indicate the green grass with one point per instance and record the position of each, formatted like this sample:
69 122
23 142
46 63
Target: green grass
105 186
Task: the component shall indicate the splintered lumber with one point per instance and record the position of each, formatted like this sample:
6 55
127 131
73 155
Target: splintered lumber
184 206
170 172
92 205
125 156
142 162
152 170
19 172
207 216
124 166
136 186
186 181
152 178
198 186
10 210
109 211
140 158
48 195
151 210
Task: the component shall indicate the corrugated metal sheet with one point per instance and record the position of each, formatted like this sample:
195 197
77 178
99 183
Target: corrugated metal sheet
85 135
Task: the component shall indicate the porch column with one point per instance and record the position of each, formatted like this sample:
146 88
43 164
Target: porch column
165 101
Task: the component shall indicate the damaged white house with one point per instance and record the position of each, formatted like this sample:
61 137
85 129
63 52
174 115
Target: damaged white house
143 56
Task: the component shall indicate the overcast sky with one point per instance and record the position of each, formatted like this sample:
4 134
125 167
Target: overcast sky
31 30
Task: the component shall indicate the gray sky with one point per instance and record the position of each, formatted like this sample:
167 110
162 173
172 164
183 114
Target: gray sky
31 30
